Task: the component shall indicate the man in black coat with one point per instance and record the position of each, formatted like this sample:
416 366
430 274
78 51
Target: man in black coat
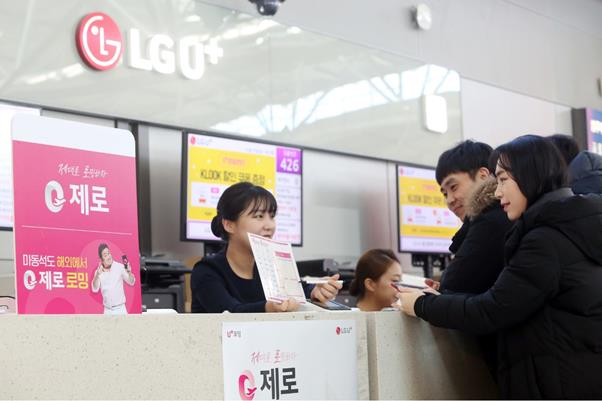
478 247
585 173
466 183
585 167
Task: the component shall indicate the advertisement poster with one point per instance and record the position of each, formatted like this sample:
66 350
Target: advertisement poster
290 360
425 223
214 164
75 218
594 130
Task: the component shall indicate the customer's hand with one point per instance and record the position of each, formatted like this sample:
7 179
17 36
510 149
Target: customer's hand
288 305
435 285
327 291
408 297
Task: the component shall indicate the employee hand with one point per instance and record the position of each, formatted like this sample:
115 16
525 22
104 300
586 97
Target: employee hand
435 285
98 271
327 291
289 305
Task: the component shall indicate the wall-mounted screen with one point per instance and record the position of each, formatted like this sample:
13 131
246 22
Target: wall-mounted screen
426 225
7 112
212 164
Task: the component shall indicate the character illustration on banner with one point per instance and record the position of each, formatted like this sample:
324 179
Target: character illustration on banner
109 278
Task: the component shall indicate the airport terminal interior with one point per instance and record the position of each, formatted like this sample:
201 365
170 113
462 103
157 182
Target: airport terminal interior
197 166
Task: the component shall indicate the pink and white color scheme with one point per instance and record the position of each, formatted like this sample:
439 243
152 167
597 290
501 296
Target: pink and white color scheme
74 189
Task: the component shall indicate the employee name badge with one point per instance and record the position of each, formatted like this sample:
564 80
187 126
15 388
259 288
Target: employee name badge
277 269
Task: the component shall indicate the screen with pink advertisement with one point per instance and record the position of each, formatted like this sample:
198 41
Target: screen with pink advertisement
211 164
75 218
426 225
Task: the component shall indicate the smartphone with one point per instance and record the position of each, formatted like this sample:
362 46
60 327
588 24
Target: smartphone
330 305
124 259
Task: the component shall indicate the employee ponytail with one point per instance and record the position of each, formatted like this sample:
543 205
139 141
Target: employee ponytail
217 228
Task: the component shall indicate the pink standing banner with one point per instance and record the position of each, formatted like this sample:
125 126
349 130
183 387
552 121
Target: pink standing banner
75 218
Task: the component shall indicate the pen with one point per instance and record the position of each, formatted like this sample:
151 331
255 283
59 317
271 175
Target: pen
319 281
402 284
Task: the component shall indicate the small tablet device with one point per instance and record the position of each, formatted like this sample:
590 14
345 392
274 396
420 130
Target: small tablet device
330 305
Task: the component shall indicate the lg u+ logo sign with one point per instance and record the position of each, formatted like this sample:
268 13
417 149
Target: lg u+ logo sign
100 45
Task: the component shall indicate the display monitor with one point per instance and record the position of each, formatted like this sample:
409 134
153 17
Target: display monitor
426 225
211 164
7 112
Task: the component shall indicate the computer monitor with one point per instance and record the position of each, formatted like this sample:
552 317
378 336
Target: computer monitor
7 112
426 225
210 164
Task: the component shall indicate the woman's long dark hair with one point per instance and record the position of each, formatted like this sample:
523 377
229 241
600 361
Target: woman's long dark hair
534 163
238 198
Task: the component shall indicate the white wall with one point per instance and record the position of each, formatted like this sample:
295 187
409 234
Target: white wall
165 153
548 49
494 116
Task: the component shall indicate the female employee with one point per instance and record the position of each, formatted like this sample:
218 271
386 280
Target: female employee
546 305
229 280
376 277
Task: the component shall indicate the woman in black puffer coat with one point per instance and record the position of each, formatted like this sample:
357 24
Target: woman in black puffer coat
546 305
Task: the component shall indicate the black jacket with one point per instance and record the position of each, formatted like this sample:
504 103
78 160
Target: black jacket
586 173
546 304
478 246
216 288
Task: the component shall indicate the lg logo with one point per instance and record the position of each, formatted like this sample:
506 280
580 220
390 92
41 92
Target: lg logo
100 45
343 330
99 41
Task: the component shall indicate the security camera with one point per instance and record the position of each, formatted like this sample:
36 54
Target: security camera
267 7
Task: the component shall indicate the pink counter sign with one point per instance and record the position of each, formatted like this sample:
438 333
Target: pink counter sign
76 235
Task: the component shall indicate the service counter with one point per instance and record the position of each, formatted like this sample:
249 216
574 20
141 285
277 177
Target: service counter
157 356
410 359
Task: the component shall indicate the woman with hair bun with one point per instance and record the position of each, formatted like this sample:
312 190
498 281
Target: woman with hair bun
376 277
229 280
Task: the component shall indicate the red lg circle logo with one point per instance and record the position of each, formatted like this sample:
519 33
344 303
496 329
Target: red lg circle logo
99 41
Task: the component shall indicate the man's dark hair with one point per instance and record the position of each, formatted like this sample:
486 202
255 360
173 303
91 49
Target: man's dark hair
567 145
466 157
101 248
534 163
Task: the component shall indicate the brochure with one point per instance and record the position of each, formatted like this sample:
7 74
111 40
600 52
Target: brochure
277 269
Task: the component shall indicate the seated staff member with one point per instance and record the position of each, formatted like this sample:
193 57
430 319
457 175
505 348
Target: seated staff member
377 274
546 305
468 188
229 280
